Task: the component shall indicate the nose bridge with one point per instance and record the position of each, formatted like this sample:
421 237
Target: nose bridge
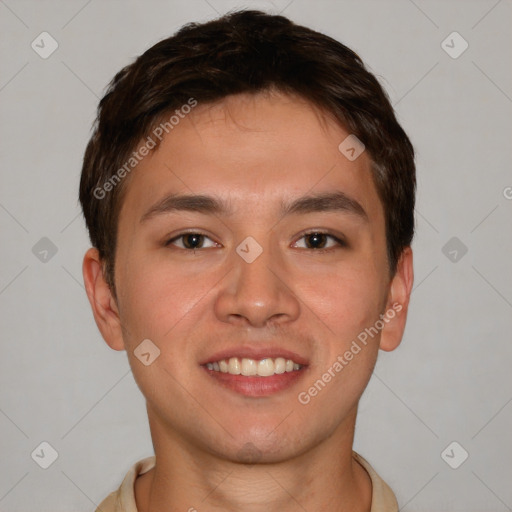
258 290
254 262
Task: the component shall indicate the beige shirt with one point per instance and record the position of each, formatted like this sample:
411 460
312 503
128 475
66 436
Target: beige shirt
123 500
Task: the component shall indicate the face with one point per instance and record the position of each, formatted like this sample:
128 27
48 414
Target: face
282 258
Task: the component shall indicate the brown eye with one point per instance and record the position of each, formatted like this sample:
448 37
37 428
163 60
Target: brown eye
318 240
191 241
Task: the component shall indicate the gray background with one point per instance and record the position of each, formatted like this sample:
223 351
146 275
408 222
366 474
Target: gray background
450 378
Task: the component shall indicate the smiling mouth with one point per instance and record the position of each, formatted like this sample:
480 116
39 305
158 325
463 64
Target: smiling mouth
246 367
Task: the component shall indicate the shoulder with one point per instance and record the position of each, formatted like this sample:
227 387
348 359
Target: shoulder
383 498
123 499
109 504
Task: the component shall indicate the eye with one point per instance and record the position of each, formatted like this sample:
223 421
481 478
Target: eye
191 241
319 241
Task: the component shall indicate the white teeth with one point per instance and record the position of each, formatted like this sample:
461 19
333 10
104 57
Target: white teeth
233 366
266 368
250 367
280 365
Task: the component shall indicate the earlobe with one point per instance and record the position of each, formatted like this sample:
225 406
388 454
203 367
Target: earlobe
398 302
103 303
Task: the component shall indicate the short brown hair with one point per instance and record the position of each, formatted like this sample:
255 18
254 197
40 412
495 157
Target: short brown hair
244 52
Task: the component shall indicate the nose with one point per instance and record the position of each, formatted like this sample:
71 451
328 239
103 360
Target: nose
257 293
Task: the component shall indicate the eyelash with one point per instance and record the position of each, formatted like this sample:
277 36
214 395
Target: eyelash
340 242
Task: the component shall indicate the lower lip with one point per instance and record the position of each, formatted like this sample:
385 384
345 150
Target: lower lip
256 386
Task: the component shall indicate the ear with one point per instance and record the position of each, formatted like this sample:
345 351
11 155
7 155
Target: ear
398 302
103 303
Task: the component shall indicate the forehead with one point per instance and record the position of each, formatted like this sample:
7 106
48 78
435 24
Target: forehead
253 151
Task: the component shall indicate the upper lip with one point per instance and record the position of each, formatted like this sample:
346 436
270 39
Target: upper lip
256 353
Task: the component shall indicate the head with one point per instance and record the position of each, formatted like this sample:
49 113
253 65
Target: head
253 115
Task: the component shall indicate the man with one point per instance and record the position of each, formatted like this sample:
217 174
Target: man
249 196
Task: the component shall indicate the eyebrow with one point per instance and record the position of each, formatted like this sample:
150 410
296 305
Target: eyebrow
208 205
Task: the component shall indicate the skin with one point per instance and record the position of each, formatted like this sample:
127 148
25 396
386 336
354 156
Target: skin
256 150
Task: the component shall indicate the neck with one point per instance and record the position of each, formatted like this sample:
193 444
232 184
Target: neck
325 477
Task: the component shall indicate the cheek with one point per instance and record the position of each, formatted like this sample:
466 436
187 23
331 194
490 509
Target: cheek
347 302
157 303
348 306
165 309
346 352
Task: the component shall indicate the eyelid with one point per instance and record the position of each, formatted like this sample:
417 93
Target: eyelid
172 238
338 238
